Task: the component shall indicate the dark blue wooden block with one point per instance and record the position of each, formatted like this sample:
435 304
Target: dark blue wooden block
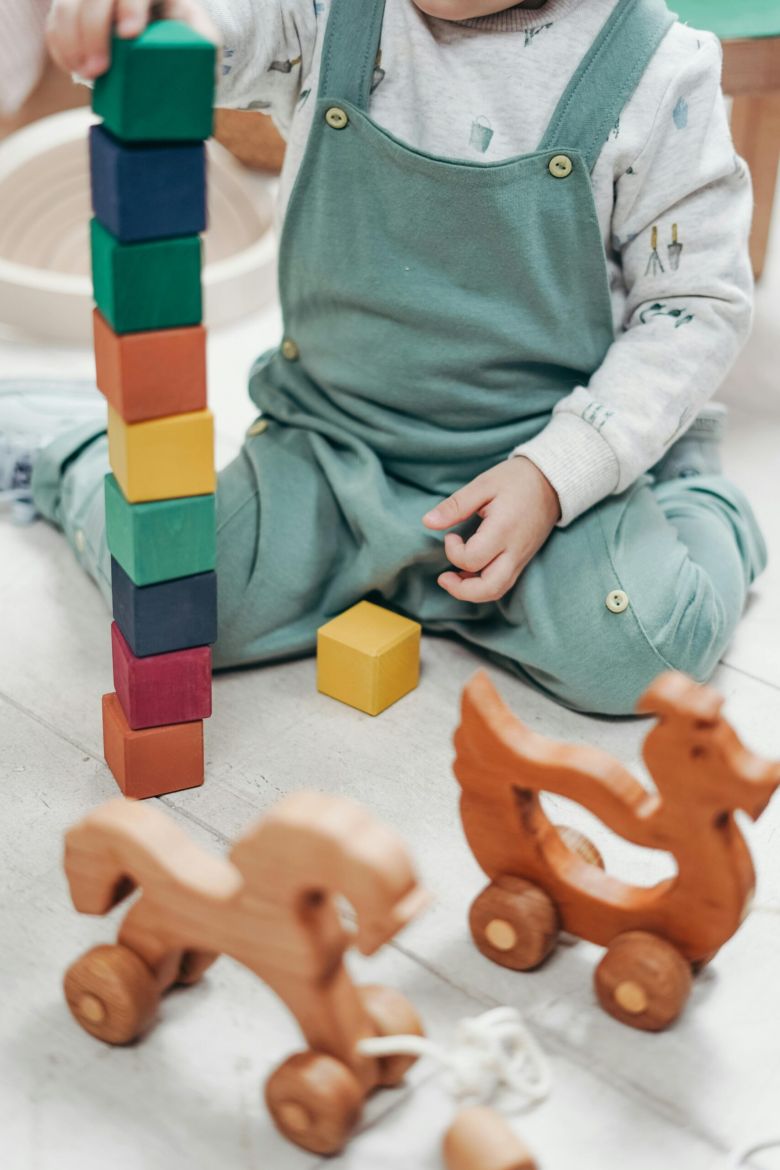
171 615
147 191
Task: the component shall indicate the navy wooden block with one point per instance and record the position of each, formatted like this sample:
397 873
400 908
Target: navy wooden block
171 615
149 191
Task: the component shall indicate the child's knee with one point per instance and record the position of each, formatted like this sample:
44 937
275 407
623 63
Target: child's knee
606 661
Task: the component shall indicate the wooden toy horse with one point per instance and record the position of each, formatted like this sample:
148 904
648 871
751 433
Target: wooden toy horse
544 879
271 906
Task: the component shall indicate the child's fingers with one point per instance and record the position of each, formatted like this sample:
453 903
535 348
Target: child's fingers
479 550
94 36
132 17
459 506
490 585
63 34
193 15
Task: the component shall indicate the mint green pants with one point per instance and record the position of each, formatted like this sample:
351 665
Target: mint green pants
684 552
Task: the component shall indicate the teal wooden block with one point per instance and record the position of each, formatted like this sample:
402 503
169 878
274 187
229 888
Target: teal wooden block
162 540
150 285
730 21
160 86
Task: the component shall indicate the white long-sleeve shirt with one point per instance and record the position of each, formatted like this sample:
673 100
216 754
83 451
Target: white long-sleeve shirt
674 202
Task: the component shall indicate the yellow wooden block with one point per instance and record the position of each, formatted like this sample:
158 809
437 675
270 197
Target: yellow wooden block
368 657
164 458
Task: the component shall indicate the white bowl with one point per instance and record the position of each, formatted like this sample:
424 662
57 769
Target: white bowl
45 286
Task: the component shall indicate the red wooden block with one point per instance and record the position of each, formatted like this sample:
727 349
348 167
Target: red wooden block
154 761
150 375
164 688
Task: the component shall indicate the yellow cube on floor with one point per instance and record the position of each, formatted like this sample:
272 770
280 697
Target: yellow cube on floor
164 458
368 657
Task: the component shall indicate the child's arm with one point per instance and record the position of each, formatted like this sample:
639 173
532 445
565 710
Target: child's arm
79 31
681 225
267 45
681 221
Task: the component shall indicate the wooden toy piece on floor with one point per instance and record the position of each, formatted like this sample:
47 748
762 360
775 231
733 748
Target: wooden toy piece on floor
481 1139
160 86
368 657
149 190
154 761
150 375
151 285
273 905
164 459
168 616
543 880
163 688
162 539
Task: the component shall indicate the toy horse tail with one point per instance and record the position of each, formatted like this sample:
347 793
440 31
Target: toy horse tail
124 845
495 750
490 741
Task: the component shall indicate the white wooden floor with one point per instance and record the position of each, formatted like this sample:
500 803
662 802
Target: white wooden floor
190 1094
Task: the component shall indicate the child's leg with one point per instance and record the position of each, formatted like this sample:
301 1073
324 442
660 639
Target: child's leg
67 488
651 580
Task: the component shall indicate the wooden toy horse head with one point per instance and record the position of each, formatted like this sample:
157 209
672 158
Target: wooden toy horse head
693 748
318 847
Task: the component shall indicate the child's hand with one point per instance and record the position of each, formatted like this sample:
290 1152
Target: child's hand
79 31
519 509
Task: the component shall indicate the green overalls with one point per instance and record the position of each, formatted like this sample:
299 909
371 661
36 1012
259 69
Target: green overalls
435 311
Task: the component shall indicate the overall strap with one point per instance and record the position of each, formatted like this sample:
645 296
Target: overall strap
607 77
350 49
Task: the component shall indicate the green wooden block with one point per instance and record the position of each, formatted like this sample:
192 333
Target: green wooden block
162 540
160 86
151 285
730 21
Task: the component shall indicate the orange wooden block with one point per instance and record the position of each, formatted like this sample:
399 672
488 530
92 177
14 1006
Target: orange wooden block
153 761
150 375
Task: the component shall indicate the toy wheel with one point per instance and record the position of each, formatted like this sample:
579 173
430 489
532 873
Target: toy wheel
315 1101
581 845
112 993
193 965
392 1015
514 923
643 981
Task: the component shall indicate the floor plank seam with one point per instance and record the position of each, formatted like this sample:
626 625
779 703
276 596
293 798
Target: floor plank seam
746 674
52 727
195 820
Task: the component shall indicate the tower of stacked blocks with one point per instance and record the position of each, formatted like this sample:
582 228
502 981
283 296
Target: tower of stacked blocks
148 168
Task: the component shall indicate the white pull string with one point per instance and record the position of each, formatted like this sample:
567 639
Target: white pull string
740 1157
490 1052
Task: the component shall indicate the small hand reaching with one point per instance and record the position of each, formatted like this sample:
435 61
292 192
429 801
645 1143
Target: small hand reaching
79 31
518 507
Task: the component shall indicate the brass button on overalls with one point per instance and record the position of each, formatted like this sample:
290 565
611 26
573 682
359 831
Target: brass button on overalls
336 118
290 350
560 167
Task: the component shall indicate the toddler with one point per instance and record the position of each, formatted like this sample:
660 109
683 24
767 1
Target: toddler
513 270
